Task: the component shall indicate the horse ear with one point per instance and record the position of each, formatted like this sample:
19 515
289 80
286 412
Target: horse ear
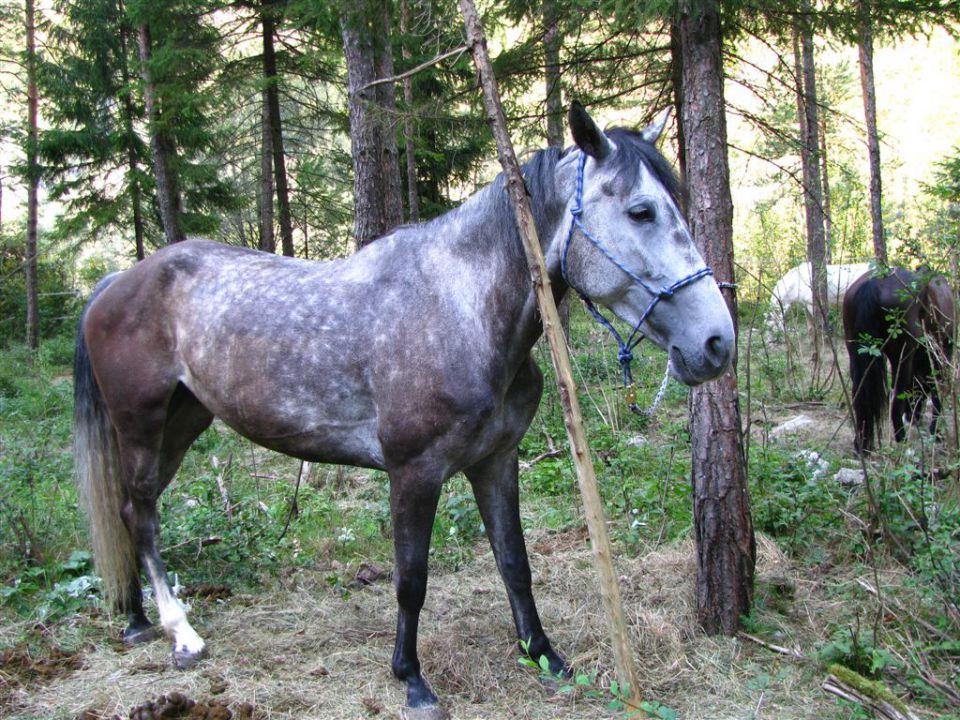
586 134
651 133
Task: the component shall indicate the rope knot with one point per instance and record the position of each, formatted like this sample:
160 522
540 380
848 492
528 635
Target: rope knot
666 293
576 211
625 357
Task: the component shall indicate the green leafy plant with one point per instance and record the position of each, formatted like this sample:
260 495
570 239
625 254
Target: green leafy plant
616 696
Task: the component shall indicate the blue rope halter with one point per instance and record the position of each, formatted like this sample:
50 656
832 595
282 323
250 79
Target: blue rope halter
625 351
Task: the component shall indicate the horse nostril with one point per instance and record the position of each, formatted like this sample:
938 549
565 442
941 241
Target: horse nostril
718 350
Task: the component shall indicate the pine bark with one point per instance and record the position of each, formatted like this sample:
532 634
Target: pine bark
377 203
723 527
161 146
868 87
825 176
133 164
386 100
272 92
33 180
267 241
413 196
551 62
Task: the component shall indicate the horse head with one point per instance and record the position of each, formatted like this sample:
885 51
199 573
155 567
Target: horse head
629 248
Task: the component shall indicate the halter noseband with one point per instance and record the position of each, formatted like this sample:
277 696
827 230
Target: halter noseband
625 351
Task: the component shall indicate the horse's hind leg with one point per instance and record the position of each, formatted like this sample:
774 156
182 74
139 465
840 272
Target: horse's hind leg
149 463
495 487
903 386
139 629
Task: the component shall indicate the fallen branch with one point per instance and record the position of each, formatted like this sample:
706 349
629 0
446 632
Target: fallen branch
871 695
776 648
541 457
892 604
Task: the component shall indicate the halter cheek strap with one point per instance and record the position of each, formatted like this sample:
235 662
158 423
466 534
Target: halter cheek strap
625 351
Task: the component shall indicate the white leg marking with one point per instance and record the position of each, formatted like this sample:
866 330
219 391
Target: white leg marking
173 616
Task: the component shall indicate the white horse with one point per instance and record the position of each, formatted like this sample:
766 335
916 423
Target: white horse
794 287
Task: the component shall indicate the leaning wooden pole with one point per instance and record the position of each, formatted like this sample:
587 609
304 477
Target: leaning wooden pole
573 419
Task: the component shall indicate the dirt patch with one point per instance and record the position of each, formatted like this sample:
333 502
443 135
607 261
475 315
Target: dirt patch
23 667
307 650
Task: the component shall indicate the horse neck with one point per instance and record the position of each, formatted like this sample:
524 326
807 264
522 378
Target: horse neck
484 228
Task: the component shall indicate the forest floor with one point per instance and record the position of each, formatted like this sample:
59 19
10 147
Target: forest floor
316 642
304 650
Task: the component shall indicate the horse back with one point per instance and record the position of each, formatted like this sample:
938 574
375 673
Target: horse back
336 362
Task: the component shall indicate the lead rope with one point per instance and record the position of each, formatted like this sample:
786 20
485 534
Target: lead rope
625 347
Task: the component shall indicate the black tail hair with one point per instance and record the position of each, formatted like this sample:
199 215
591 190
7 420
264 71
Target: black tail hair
868 370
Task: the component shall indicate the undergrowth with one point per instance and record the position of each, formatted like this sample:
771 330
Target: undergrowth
238 515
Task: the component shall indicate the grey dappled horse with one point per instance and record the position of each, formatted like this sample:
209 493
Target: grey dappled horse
413 356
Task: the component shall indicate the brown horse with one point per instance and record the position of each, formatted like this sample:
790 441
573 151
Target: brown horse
413 356
906 319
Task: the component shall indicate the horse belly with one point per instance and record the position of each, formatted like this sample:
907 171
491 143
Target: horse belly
306 414
342 445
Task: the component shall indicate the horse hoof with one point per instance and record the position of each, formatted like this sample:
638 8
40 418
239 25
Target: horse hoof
139 634
430 712
184 659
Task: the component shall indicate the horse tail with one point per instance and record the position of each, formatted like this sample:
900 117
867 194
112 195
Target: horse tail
868 370
97 466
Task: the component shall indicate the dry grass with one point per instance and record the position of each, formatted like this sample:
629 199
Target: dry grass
303 650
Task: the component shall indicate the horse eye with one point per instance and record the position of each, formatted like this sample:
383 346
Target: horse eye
642 213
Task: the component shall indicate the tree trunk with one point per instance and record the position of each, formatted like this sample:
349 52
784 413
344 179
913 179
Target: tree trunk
723 528
386 99
272 91
133 165
267 242
377 205
33 181
825 175
812 182
873 137
413 197
676 77
551 62
164 152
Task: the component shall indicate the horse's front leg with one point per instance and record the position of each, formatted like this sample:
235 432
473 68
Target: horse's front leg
414 494
495 487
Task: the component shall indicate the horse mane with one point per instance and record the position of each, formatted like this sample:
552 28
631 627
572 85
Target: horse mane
539 175
547 203
868 370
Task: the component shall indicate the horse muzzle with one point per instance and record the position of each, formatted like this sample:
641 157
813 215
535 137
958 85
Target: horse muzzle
694 364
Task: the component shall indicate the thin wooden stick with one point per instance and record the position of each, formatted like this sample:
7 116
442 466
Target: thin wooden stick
776 648
413 71
573 419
